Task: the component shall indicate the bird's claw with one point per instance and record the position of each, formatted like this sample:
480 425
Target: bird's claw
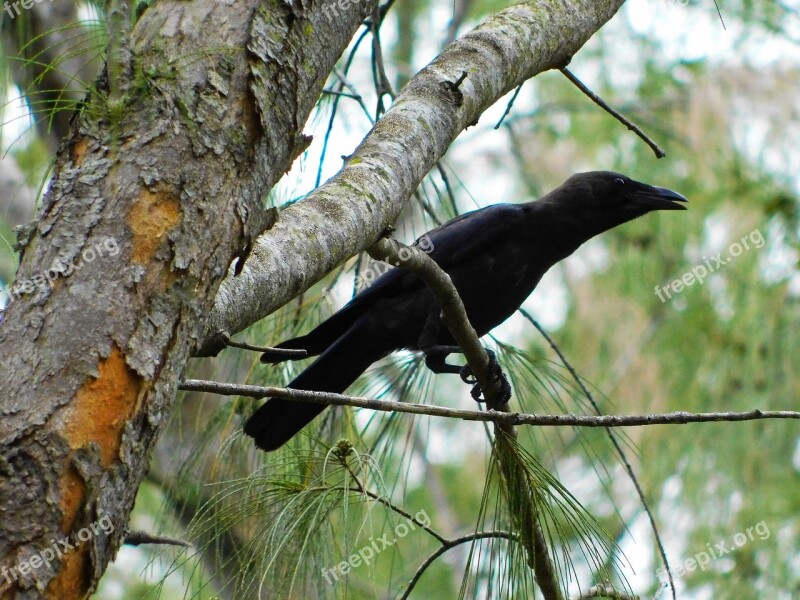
466 375
494 373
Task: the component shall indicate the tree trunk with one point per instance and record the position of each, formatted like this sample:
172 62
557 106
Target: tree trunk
158 188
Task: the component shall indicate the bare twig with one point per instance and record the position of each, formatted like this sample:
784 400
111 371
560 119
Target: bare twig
342 94
382 84
720 15
137 538
445 543
448 187
460 9
480 535
287 352
511 418
454 315
340 87
344 83
509 105
602 103
391 506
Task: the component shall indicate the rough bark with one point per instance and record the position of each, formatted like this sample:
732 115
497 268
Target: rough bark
349 212
156 191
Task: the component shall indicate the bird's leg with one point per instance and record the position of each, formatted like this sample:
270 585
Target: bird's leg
435 353
435 359
494 373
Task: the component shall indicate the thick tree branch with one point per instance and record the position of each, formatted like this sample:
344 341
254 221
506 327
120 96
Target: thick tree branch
349 212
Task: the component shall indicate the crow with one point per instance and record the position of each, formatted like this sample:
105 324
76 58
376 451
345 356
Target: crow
495 257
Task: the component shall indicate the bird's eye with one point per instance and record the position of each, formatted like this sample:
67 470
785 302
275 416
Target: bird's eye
619 182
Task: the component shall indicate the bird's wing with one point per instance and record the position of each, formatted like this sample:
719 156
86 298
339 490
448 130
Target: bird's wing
450 244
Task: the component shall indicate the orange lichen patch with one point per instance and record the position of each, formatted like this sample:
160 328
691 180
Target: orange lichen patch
154 214
72 580
79 151
72 489
102 406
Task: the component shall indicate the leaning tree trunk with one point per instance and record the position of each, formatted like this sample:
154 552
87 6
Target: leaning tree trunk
156 191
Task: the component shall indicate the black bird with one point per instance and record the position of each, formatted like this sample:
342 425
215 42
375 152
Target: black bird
495 257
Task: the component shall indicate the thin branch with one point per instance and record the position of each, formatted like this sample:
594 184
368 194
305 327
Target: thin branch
509 105
448 187
137 538
460 9
382 84
617 446
331 119
427 208
449 544
344 83
391 506
602 104
454 315
342 94
511 418
283 352
446 544
720 15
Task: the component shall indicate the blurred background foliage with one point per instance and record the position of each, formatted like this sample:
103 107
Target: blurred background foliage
719 92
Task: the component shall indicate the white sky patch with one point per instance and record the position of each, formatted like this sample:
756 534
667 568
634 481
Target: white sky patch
796 457
637 543
779 258
17 121
694 32
548 305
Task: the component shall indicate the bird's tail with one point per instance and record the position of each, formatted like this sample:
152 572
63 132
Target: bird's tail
277 421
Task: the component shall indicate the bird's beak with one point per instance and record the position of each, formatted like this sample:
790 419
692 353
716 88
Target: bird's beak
650 197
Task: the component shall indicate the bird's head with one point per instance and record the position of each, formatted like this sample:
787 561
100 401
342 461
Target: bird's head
601 200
